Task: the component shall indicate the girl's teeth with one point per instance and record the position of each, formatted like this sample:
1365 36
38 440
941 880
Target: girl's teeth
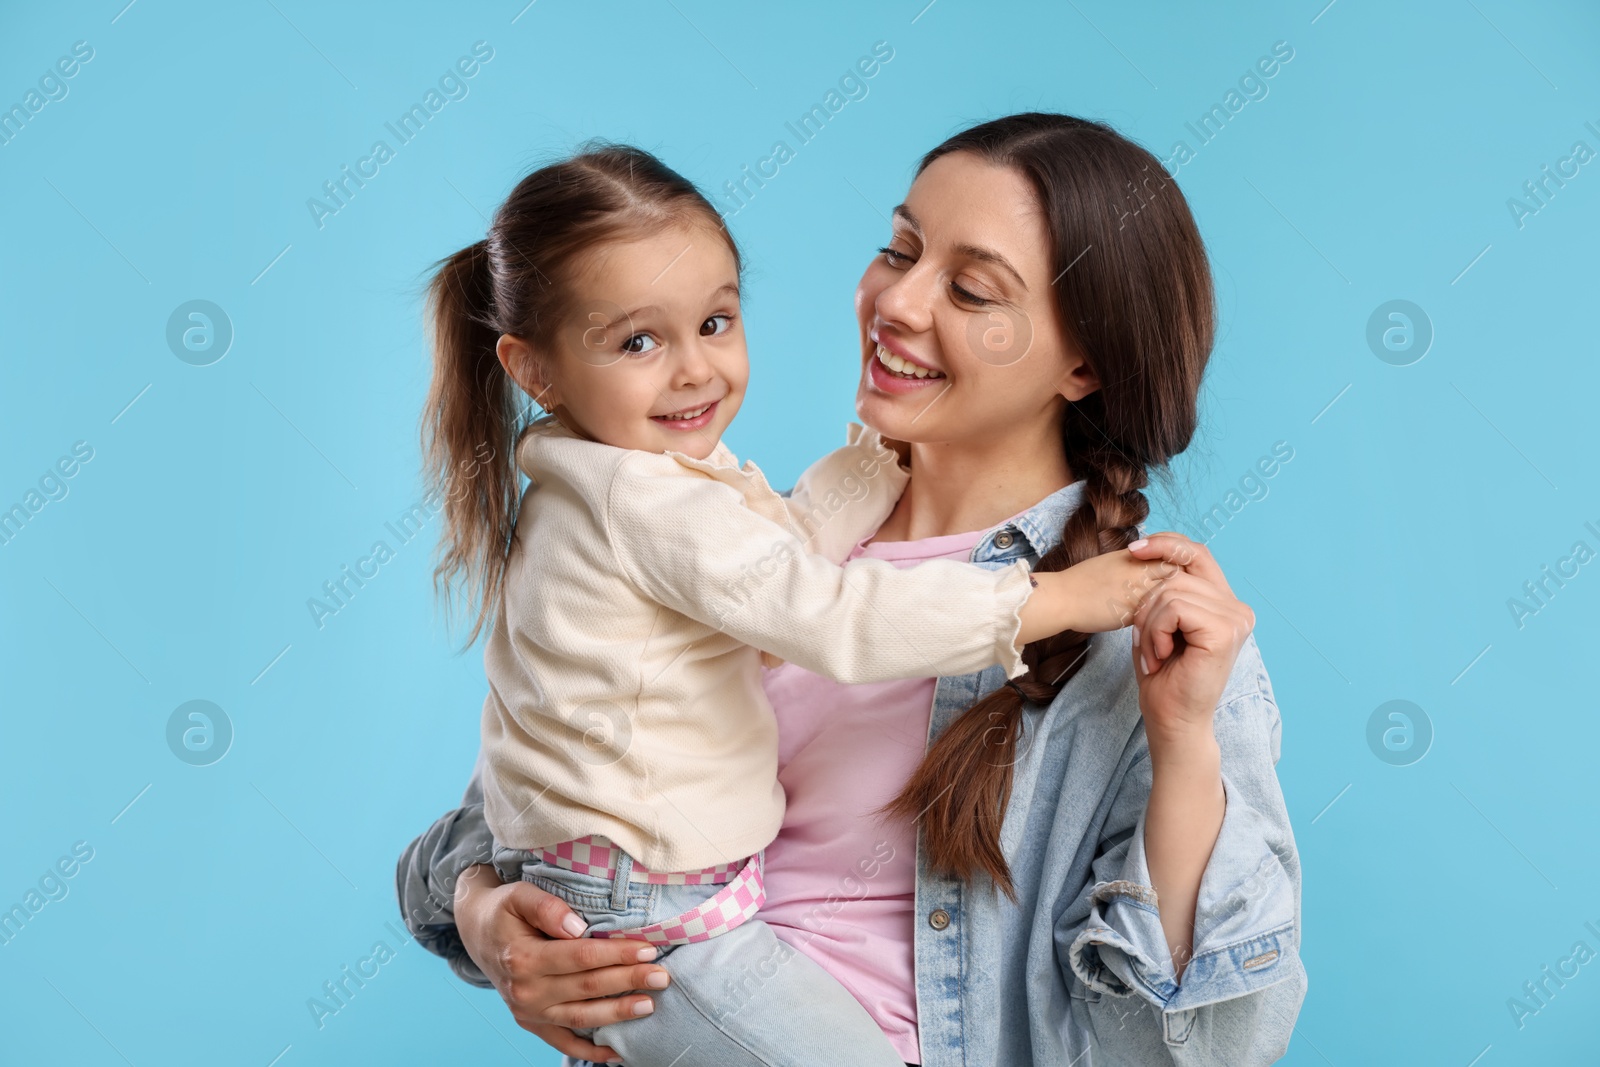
688 414
904 368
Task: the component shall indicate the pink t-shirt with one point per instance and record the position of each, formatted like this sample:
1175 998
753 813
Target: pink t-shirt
841 880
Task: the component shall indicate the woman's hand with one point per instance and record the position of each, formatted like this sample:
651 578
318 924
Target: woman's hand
529 944
1186 636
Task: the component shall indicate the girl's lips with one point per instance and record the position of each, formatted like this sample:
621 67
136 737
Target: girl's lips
699 421
884 382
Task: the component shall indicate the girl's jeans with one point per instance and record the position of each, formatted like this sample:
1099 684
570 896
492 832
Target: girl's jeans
740 999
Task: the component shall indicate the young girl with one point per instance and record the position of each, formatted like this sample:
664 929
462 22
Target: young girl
629 751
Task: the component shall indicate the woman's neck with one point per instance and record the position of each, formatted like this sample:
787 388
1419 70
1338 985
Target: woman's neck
958 488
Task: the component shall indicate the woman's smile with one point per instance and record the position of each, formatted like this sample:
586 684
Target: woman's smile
895 370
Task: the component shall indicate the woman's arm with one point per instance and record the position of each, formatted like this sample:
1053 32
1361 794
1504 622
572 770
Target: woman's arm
1185 950
1187 635
515 937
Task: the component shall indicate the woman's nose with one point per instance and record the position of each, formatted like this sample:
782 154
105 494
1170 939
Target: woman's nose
908 302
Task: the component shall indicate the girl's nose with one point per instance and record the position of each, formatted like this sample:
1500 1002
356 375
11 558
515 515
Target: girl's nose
692 367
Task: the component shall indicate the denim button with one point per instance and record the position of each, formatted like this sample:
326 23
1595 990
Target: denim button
1003 539
938 918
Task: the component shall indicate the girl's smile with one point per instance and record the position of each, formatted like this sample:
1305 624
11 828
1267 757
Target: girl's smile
687 419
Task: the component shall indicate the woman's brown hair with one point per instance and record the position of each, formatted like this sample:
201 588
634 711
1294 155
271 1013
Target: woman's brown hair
1135 298
514 282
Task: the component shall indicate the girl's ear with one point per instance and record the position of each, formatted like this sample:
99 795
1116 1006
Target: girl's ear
527 368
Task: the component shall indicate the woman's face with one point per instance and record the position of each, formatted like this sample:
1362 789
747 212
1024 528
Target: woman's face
961 342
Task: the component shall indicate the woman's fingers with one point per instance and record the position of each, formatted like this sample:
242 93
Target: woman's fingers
591 953
543 911
1185 584
577 1013
567 989
1205 621
570 1044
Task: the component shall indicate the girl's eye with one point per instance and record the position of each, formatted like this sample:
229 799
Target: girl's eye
718 324
639 344
894 257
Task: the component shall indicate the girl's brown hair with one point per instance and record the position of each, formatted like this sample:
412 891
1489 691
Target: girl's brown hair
514 281
1135 297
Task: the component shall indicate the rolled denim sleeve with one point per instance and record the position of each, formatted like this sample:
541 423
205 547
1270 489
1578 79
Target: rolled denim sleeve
1242 988
425 879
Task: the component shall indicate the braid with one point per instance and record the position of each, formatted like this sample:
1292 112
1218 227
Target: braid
973 757
1140 310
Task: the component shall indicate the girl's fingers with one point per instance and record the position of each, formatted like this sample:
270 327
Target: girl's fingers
1174 547
1191 555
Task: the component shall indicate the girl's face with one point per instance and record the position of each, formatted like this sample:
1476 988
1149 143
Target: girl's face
961 340
652 355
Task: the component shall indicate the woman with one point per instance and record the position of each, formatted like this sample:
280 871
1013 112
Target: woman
1103 858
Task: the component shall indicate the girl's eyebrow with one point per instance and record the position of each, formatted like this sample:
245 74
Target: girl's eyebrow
978 252
652 309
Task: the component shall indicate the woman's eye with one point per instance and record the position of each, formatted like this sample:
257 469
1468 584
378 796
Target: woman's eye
894 257
639 344
717 324
968 297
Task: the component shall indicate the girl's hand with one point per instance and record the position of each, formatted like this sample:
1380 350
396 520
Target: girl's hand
1101 593
527 943
1187 635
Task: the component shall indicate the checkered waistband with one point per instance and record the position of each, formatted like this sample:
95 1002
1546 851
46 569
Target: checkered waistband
742 894
596 855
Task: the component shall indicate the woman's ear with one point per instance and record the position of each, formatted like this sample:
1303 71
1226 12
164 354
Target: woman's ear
1079 380
527 369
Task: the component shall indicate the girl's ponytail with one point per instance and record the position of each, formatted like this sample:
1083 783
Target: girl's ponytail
512 283
469 428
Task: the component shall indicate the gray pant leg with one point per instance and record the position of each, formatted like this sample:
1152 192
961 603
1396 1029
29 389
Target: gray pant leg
747 999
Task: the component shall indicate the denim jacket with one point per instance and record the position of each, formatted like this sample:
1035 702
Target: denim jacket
1079 963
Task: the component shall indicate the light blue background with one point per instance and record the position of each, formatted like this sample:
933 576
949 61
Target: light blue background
178 567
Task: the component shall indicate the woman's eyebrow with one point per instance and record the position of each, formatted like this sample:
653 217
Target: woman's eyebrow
987 255
983 255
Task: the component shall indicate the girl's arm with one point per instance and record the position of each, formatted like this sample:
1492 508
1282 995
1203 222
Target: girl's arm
692 545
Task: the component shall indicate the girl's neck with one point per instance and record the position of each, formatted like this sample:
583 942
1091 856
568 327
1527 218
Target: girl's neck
958 488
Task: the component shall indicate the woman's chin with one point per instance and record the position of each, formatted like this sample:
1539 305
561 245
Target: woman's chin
895 417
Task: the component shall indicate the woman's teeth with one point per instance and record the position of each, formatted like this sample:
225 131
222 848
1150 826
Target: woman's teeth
904 368
682 415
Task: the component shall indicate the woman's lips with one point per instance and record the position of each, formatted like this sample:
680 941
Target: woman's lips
695 423
886 380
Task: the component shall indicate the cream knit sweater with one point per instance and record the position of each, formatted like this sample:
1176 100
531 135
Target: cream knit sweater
624 673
